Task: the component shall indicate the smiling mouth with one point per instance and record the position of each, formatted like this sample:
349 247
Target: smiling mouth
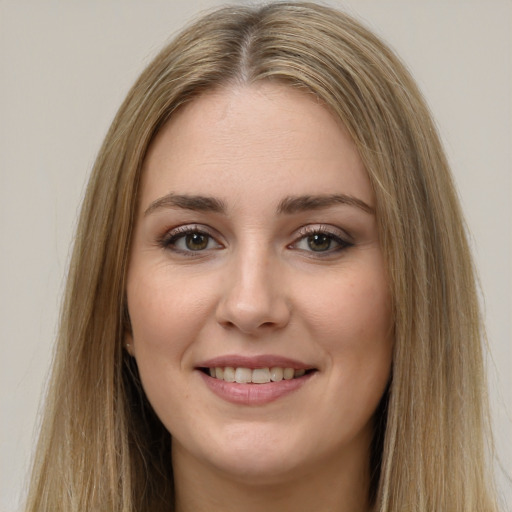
242 375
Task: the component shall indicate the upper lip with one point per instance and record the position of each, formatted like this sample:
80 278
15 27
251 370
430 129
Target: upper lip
252 362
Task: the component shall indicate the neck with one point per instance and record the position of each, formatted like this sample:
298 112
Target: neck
341 485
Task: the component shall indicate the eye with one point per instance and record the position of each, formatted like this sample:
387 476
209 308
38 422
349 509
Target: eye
188 239
320 239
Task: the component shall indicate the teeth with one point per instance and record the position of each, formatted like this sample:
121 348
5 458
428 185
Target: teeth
229 374
261 375
243 375
256 376
288 373
276 374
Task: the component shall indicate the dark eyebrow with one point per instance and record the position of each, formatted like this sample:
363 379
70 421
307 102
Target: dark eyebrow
295 204
187 202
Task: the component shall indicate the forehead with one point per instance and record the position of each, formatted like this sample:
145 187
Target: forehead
268 139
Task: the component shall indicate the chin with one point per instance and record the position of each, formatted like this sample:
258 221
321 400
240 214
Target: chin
260 469
254 455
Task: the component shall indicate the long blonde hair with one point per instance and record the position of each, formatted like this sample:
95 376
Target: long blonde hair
101 446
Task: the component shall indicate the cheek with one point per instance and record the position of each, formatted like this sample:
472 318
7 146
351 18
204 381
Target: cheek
168 310
164 312
352 311
163 324
352 323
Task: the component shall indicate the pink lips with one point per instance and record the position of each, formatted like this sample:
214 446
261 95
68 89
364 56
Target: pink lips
253 394
263 361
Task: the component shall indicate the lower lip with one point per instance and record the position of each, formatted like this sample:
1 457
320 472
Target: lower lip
253 394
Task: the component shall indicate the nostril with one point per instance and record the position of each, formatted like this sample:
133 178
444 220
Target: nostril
253 304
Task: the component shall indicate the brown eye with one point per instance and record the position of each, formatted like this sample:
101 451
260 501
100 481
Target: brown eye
319 242
189 239
196 241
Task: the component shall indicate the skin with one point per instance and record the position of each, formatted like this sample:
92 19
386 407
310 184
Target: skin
260 286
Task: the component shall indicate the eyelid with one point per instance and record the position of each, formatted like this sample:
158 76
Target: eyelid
327 229
338 235
166 240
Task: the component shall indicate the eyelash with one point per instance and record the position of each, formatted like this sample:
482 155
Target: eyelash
170 240
331 233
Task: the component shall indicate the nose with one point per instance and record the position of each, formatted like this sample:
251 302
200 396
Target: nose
254 300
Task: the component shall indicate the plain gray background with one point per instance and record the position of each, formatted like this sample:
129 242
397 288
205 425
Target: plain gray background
65 68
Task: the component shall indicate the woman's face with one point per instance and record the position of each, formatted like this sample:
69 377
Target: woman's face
256 258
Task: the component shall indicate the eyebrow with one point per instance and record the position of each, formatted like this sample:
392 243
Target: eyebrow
295 204
288 206
187 202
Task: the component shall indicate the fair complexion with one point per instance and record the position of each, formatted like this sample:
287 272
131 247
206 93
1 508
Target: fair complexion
255 247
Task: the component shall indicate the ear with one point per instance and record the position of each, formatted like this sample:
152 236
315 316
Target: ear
128 336
128 343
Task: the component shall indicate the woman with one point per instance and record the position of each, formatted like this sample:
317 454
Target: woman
271 206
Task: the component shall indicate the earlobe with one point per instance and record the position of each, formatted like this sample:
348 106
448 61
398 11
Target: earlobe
128 344
128 337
